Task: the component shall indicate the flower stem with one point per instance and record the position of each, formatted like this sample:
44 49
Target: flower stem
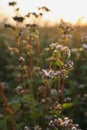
58 84
7 107
63 86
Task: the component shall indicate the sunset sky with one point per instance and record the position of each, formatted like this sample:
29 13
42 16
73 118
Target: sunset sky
69 10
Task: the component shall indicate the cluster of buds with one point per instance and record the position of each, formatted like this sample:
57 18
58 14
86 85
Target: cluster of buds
57 107
21 60
51 74
19 90
65 27
63 50
64 124
67 100
27 128
13 3
48 74
43 8
69 65
60 57
35 128
7 25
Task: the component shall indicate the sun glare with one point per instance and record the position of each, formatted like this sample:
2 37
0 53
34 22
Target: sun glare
69 10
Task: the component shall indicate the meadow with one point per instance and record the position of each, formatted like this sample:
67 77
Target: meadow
43 76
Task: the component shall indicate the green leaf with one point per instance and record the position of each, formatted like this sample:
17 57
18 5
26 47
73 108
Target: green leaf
67 105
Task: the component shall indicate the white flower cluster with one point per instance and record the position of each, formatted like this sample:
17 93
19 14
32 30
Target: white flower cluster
51 74
60 48
64 124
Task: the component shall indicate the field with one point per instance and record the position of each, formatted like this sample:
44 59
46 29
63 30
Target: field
43 76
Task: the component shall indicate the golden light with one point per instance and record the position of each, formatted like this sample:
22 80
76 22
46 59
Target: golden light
69 10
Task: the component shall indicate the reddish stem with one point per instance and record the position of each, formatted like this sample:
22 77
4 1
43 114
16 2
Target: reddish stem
45 107
31 64
7 107
38 47
50 93
63 86
58 84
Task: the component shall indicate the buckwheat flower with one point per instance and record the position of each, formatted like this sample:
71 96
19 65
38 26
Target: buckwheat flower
66 28
37 128
66 121
18 89
67 99
52 45
47 49
51 72
24 43
64 73
66 51
65 124
74 128
45 72
58 73
58 108
60 121
56 122
48 73
69 64
21 59
84 46
27 128
59 47
51 124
